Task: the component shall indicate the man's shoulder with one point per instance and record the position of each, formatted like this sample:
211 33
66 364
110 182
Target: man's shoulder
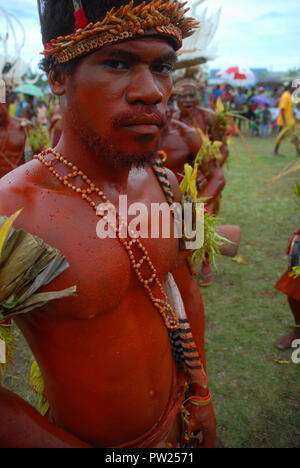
206 111
22 124
286 97
19 187
182 127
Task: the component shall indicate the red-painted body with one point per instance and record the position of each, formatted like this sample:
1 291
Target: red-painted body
12 141
104 353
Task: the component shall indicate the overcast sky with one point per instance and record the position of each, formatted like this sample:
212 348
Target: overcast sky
253 33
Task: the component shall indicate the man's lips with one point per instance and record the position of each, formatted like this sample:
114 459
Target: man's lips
144 120
146 124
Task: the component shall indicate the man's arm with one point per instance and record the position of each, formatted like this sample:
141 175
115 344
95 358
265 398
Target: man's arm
282 112
283 106
214 186
23 427
202 419
193 140
225 154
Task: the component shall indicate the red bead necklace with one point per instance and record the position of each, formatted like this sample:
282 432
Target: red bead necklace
132 246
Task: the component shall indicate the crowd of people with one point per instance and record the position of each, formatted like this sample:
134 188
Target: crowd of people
28 125
42 112
259 105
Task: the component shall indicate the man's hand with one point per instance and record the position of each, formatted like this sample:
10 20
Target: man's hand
203 420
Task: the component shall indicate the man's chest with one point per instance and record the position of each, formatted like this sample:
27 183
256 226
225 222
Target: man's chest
100 265
176 148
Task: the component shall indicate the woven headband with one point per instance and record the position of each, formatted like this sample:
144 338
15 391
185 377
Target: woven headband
159 17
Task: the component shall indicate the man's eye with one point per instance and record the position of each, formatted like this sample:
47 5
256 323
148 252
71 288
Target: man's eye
116 64
165 69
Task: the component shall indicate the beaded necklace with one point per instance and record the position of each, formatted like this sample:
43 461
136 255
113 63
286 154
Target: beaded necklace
132 246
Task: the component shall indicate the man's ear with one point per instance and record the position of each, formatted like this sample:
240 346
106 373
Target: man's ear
57 82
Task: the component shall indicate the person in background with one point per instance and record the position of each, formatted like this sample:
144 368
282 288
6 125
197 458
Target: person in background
290 286
266 121
285 108
240 99
42 114
227 96
211 99
12 106
28 109
217 93
255 123
56 125
13 135
274 113
240 102
190 111
286 119
250 115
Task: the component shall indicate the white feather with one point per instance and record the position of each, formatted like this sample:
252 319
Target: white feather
200 44
12 40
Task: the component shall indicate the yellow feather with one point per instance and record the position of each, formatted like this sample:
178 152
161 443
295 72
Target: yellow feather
5 229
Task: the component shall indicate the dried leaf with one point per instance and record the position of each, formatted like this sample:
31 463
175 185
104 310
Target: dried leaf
2 352
278 361
10 303
27 264
239 259
4 231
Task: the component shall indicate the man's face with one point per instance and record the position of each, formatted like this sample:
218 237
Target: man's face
117 98
187 99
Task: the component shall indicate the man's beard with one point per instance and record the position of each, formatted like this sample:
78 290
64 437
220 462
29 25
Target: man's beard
104 148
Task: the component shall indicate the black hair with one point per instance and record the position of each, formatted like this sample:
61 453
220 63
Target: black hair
289 86
57 19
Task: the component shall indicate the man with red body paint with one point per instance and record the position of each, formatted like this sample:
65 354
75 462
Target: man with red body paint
105 354
13 132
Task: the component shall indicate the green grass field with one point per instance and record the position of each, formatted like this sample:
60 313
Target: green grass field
256 399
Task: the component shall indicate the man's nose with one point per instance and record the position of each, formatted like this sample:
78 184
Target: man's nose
143 87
